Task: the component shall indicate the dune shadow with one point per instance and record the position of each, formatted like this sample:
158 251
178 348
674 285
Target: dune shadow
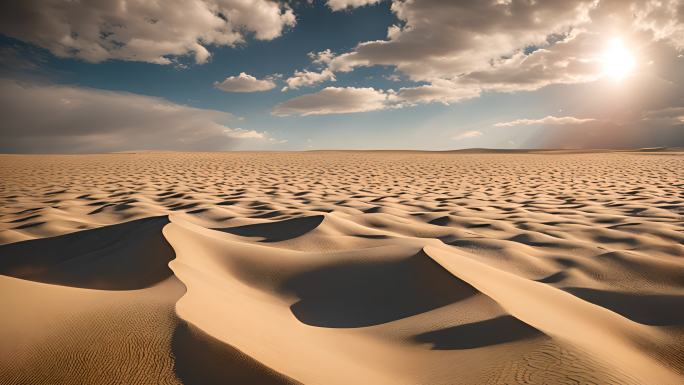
125 256
479 334
29 225
372 236
201 359
441 221
554 278
279 230
648 309
358 294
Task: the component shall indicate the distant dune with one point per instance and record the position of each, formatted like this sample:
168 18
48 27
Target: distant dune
343 267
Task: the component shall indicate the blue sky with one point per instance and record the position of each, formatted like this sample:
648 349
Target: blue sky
408 75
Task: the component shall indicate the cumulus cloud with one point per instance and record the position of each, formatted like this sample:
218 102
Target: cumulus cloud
546 121
307 79
322 57
467 135
444 40
460 49
338 5
56 118
335 100
245 83
141 30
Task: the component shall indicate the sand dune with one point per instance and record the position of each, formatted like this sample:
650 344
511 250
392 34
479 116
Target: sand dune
131 255
343 267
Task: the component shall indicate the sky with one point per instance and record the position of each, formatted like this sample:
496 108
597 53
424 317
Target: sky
124 75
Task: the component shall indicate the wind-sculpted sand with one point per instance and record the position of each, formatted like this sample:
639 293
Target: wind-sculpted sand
342 268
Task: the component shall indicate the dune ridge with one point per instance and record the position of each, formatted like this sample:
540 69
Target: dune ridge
342 267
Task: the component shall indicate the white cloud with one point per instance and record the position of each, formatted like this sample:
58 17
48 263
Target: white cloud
547 121
338 5
460 49
448 39
335 100
245 83
307 79
322 57
57 118
141 30
239 133
438 92
467 135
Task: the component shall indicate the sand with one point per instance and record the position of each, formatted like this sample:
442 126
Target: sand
342 268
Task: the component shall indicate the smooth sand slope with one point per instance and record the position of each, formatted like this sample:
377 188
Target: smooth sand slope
342 268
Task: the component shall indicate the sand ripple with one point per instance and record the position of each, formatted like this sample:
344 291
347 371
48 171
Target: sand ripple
342 267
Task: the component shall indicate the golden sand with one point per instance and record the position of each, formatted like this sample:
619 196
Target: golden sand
342 268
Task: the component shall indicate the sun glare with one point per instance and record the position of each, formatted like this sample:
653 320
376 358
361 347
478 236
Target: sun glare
618 62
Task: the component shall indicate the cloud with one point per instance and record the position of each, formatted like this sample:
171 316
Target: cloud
460 49
665 19
439 92
467 135
339 5
576 59
245 83
335 100
547 121
322 57
56 118
307 79
438 39
141 30
239 133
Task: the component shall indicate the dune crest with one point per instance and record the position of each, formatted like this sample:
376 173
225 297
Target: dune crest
620 341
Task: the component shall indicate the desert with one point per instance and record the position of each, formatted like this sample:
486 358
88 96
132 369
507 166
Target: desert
342 192
343 267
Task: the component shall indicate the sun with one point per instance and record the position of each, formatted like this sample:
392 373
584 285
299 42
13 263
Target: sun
618 61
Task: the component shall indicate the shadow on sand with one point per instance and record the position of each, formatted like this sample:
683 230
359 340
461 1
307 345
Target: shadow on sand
479 334
647 309
125 256
368 293
203 360
277 231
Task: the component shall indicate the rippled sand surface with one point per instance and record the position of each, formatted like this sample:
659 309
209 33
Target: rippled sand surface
342 268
